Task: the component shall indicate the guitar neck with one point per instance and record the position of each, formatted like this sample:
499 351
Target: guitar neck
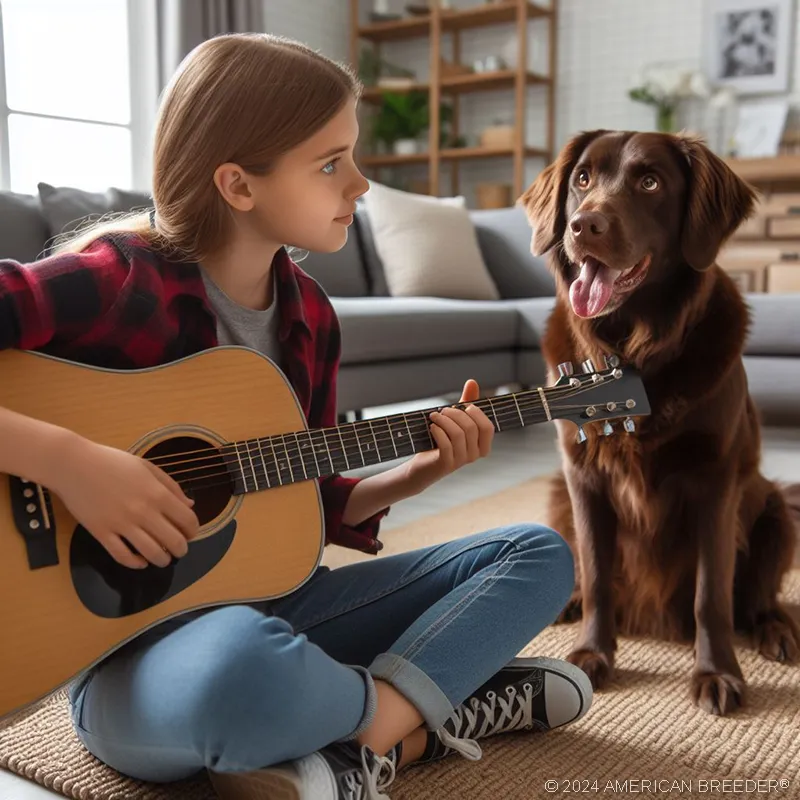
272 461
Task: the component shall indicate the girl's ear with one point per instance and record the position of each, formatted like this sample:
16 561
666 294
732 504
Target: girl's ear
232 183
546 198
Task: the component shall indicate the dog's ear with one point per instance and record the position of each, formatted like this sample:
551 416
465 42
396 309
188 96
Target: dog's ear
719 201
545 199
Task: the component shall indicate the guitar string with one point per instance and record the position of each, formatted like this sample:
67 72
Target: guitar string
247 465
533 402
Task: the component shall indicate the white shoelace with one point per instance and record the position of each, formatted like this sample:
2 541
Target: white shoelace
369 783
481 719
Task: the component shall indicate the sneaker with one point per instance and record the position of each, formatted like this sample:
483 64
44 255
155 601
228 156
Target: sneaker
341 771
536 694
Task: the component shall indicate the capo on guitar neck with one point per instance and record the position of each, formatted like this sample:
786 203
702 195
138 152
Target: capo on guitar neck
34 520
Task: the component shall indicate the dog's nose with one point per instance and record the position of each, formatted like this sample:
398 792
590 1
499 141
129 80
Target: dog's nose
587 225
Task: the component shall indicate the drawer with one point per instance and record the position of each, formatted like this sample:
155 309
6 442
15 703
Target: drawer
754 228
749 277
783 279
784 226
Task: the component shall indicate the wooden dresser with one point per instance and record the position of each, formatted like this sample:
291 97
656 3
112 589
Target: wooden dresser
764 254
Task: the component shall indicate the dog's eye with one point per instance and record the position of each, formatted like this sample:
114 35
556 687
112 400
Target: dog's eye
649 183
583 178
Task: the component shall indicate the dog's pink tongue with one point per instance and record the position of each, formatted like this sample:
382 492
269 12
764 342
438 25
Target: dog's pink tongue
592 289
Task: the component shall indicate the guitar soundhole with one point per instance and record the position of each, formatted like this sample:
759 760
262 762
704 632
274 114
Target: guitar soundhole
200 470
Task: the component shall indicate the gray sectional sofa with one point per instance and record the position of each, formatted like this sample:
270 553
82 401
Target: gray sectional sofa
398 349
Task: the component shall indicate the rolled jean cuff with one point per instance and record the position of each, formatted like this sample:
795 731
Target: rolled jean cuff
370 704
415 686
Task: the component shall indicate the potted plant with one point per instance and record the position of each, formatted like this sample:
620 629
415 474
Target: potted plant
401 119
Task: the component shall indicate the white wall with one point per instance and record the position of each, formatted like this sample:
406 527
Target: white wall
321 24
601 44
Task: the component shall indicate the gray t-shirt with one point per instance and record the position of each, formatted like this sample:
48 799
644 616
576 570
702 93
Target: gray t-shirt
247 327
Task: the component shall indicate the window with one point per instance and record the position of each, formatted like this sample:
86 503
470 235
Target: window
77 98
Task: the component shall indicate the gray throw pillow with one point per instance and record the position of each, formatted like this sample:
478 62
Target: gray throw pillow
66 208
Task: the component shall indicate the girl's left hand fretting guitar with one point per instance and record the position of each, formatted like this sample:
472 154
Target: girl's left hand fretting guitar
67 604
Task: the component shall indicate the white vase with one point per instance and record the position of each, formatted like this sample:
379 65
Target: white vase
406 147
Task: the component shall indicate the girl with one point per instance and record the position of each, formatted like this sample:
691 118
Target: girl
326 692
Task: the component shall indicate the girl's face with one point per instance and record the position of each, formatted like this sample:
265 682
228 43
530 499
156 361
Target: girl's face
308 199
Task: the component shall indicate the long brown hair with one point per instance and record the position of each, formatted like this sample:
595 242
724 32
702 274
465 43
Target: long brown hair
241 98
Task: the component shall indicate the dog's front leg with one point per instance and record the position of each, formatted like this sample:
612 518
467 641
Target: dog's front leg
596 538
717 682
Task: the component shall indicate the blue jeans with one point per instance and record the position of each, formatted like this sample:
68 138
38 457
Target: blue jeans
242 687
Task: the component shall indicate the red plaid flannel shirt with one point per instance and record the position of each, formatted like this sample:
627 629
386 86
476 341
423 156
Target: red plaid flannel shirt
119 305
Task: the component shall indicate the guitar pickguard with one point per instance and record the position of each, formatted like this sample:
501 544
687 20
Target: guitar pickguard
110 590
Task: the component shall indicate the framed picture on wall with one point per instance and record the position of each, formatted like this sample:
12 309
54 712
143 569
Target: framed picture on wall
748 44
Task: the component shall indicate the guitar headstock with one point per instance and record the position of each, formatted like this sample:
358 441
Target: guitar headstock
613 393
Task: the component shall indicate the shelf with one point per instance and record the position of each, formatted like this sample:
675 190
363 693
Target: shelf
414 27
411 28
480 81
450 154
495 14
767 170
469 82
469 153
391 160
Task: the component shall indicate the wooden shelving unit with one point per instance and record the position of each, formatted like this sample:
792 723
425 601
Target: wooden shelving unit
437 25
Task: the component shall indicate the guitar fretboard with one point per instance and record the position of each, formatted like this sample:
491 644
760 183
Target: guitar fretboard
265 463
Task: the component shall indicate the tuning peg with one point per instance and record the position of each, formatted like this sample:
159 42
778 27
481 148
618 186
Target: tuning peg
629 425
611 361
608 428
580 438
565 369
588 366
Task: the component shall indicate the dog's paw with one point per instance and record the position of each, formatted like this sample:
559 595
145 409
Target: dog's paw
572 611
777 638
598 666
717 693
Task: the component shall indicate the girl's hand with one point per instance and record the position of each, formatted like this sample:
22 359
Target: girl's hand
124 501
461 438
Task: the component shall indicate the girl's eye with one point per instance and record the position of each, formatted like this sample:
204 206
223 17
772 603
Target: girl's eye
583 178
330 167
649 183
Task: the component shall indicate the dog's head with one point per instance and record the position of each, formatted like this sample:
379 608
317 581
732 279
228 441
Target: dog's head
629 210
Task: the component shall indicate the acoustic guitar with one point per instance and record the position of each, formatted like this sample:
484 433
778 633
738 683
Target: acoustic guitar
67 604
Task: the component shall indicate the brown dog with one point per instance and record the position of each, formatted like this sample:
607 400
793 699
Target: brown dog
675 531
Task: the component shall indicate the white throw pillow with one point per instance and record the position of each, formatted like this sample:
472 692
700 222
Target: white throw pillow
428 245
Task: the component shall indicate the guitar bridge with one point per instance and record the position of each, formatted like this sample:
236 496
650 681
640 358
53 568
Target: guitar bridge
33 516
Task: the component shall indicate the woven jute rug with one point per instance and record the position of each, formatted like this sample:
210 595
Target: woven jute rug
641 738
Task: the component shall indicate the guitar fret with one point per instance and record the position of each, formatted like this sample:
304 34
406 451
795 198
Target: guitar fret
521 419
241 466
275 459
410 437
344 449
328 449
264 464
494 414
358 442
369 454
302 458
314 453
252 466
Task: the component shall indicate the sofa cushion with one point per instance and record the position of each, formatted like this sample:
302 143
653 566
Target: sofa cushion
504 236
369 253
533 315
341 274
23 229
66 208
427 245
775 327
394 328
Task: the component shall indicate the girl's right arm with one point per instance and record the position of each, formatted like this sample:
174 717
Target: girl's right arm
121 499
